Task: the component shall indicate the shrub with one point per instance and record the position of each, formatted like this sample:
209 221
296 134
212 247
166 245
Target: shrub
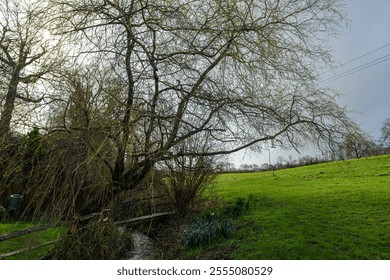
3 214
187 180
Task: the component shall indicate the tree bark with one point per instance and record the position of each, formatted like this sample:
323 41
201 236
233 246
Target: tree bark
9 105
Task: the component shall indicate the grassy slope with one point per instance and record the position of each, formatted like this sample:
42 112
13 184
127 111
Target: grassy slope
338 210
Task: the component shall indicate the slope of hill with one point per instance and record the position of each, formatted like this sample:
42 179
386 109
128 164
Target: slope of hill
338 210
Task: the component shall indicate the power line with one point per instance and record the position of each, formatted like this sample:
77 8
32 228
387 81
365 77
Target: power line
359 57
357 69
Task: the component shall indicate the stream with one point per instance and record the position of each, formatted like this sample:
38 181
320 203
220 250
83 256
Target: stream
143 248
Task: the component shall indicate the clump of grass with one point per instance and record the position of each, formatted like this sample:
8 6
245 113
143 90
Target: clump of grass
238 207
215 224
207 228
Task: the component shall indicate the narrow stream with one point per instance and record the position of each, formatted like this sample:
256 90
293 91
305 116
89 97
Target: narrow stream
143 248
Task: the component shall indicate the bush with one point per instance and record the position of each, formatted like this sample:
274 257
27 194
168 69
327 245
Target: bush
3 214
187 180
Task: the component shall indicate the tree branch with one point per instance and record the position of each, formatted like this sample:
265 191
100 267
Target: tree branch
28 99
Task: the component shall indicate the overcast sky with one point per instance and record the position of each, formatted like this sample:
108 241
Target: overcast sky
363 86
367 90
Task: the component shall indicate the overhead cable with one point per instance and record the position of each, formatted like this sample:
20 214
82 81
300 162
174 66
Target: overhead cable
357 69
359 57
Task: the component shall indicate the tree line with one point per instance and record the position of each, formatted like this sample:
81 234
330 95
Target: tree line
354 146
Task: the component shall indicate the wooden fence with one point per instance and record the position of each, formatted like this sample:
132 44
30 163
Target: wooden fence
22 232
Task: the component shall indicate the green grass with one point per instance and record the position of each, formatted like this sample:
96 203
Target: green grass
27 240
338 210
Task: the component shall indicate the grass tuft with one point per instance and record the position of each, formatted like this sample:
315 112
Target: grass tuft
215 223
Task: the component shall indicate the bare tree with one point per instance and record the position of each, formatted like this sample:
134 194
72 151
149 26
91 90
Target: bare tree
385 130
237 73
358 144
26 55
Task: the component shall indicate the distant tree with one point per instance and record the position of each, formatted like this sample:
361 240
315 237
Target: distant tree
357 145
226 166
255 167
385 130
245 167
230 166
265 166
307 160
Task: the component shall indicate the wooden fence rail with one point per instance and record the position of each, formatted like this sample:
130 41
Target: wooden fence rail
144 218
24 250
21 232
7 236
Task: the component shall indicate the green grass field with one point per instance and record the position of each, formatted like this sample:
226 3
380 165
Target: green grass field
338 210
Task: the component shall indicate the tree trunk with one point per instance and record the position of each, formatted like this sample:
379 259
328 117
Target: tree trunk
9 105
124 180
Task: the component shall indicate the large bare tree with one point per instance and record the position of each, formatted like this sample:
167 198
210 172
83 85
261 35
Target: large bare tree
234 73
27 53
